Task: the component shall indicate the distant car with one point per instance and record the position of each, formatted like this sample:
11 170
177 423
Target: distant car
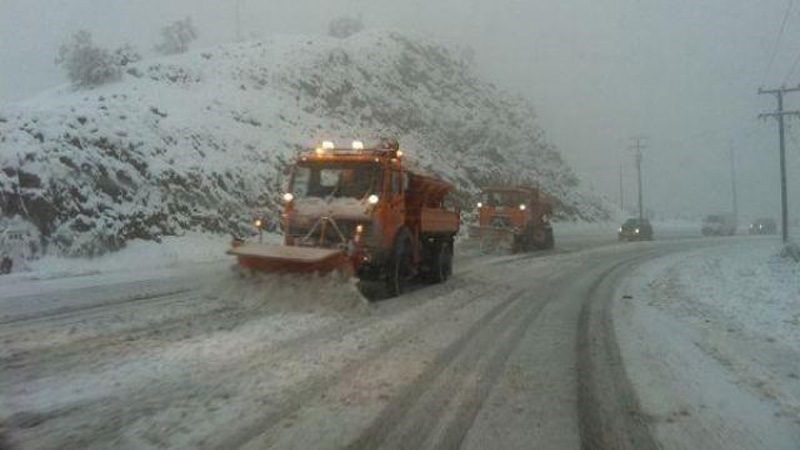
15 248
635 229
719 225
10 243
765 225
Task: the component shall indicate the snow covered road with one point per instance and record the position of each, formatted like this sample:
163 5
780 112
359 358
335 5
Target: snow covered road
711 339
513 352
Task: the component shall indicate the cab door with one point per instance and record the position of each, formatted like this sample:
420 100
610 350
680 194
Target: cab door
396 200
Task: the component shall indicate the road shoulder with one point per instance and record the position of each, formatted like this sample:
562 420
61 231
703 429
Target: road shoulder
694 355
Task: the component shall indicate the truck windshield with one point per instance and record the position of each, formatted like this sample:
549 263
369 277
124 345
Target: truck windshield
336 180
503 198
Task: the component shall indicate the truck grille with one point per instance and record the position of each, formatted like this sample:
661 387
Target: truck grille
331 239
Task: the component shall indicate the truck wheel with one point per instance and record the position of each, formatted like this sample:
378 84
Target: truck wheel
544 238
518 244
441 264
398 269
549 240
449 262
6 265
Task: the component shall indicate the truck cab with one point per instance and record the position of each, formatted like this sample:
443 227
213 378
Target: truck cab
364 208
519 214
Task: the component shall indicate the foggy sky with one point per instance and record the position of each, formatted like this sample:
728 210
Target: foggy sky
682 73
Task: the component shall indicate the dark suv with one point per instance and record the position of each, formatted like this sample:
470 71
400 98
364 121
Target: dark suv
636 230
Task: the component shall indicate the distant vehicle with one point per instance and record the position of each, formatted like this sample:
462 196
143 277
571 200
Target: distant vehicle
635 229
12 248
515 217
719 225
364 211
764 225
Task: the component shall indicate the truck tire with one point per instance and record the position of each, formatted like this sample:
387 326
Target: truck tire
550 240
544 238
450 242
518 244
6 264
441 262
398 268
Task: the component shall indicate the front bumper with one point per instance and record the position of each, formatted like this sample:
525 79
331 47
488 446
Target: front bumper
632 236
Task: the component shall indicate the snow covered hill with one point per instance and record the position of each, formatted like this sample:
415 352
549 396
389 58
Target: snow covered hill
200 141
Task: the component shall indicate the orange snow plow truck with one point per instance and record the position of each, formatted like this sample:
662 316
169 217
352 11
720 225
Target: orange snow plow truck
364 212
516 218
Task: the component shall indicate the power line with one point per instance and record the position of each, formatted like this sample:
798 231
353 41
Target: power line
792 69
779 39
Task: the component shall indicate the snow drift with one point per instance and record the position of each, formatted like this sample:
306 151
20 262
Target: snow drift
200 141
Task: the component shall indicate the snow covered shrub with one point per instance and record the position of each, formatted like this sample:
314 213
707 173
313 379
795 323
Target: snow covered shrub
175 37
126 54
343 27
791 250
86 64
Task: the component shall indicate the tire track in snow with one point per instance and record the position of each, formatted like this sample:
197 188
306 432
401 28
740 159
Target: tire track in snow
139 402
72 312
437 410
302 394
609 413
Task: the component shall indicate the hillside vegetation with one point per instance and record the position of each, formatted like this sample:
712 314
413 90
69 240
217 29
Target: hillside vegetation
200 141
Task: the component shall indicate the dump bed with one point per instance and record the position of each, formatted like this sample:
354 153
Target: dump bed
425 202
437 220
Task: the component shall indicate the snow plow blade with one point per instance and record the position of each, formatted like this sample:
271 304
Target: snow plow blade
271 258
494 240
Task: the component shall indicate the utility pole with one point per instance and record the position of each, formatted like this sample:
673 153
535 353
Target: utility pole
238 20
638 146
621 191
733 185
780 114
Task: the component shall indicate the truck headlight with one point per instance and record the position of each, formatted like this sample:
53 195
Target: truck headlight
373 199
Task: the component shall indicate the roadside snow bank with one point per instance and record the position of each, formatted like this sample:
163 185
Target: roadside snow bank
138 255
172 250
711 340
